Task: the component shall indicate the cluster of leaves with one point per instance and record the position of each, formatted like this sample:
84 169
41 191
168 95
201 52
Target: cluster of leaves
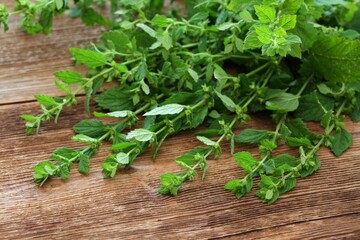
296 61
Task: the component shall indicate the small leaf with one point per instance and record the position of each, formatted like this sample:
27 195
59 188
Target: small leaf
62 87
166 40
287 22
123 145
115 114
84 164
206 141
228 102
168 109
69 77
45 100
90 127
286 102
89 58
269 194
83 138
265 14
297 142
122 158
253 136
147 29
245 160
142 135
342 141
193 74
313 106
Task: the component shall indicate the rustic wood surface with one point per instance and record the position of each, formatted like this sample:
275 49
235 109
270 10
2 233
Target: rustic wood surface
323 206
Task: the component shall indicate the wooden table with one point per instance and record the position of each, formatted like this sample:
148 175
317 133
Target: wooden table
323 206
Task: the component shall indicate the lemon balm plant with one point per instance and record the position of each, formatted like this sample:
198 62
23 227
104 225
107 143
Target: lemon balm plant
296 60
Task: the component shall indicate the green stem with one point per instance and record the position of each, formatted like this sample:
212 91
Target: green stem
68 100
319 144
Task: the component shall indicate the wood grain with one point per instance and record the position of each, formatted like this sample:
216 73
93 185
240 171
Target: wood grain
27 62
324 206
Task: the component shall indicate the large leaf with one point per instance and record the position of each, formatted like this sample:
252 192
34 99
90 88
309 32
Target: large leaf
336 59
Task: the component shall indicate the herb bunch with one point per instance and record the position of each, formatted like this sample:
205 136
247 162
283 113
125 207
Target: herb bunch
295 60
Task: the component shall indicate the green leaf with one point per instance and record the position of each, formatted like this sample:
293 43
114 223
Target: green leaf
269 194
206 141
120 40
88 92
198 17
166 40
59 4
160 21
189 157
290 183
141 72
83 138
306 31
225 26
287 22
199 116
142 135
286 102
64 171
121 68
219 73
109 169
245 160
252 41
285 159
209 133
147 29
168 109
246 16
265 14
298 129
63 154
69 77
336 59
311 168
122 158
326 90
84 164
45 100
291 6
90 17
122 145
253 136
89 58
115 99
62 87
115 114
4 17
342 141
29 117
313 106
144 87
264 34
92 128
193 74
228 102
179 97
297 142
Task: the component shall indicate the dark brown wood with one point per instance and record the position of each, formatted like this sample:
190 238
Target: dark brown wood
324 206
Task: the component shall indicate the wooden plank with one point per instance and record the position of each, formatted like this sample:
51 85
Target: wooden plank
128 207
325 205
27 62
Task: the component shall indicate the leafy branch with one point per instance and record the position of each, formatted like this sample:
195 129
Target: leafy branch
214 64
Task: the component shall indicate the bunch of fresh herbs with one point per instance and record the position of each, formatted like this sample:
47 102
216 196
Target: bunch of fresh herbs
296 60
